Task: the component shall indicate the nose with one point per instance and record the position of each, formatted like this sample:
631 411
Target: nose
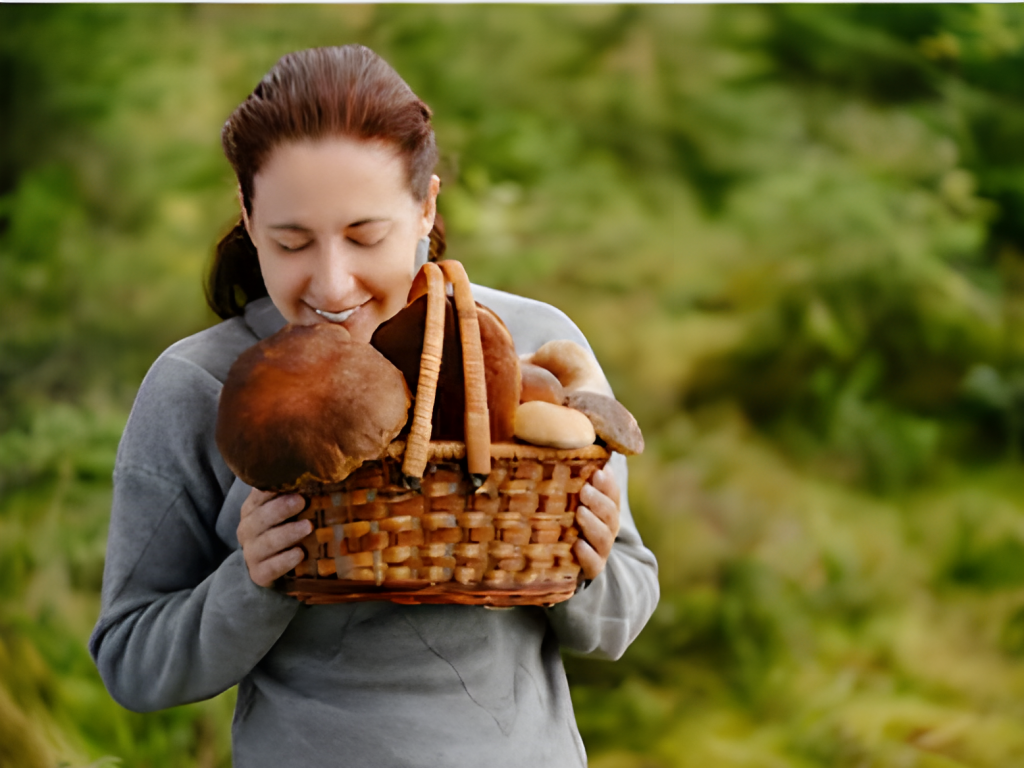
334 283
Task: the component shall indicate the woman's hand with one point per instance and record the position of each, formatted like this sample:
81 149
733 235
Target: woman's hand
267 544
598 519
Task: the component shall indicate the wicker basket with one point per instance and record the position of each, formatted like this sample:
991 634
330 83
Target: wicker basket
448 522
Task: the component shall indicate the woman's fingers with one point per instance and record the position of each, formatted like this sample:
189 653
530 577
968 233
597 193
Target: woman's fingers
277 539
268 543
598 519
601 497
267 572
263 510
591 562
596 531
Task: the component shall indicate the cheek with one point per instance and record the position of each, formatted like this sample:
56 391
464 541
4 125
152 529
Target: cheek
393 276
282 280
393 290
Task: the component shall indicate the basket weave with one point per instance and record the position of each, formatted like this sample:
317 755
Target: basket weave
448 522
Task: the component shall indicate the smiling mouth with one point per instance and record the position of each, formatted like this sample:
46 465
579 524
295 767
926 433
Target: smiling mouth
336 317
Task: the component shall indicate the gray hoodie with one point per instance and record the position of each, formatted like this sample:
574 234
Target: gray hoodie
365 684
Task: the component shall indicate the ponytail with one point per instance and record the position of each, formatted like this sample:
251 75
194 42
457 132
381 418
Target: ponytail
234 278
437 242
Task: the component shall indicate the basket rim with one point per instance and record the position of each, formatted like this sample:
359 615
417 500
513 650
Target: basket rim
447 451
454 450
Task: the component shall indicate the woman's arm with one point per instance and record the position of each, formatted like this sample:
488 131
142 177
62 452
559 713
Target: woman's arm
604 617
181 619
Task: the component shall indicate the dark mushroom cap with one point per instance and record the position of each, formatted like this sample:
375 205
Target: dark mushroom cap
400 340
501 369
612 422
307 406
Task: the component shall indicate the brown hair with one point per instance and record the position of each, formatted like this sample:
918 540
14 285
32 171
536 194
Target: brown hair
313 94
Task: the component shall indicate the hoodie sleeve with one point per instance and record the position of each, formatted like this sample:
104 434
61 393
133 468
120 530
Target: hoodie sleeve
604 617
180 620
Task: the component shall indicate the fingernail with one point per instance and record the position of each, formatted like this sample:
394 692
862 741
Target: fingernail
296 503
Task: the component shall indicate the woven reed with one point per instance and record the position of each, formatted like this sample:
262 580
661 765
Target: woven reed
509 542
377 536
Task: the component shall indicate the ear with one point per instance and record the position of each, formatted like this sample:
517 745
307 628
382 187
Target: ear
430 206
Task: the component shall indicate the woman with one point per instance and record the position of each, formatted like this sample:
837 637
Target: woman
334 157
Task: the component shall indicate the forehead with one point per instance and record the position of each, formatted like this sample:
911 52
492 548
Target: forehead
338 171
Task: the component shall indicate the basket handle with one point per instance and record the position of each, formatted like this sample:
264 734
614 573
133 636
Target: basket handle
431 280
418 443
478 417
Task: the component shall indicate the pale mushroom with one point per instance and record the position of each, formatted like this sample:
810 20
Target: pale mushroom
540 384
553 426
573 365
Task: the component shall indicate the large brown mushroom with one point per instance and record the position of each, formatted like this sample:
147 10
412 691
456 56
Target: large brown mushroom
306 406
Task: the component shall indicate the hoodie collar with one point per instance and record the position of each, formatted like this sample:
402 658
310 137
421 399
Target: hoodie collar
263 317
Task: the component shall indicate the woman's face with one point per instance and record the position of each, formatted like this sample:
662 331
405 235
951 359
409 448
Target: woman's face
336 227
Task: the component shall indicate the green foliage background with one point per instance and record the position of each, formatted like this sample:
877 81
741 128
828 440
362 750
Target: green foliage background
794 236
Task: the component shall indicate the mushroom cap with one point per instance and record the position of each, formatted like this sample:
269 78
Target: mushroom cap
572 364
554 426
501 370
540 384
612 422
400 340
306 406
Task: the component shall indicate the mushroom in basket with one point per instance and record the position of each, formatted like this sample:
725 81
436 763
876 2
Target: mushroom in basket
566 400
307 406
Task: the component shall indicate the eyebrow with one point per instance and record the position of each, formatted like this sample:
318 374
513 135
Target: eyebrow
300 228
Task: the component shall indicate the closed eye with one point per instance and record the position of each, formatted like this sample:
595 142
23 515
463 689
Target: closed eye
294 248
293 237
363 242
368 233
